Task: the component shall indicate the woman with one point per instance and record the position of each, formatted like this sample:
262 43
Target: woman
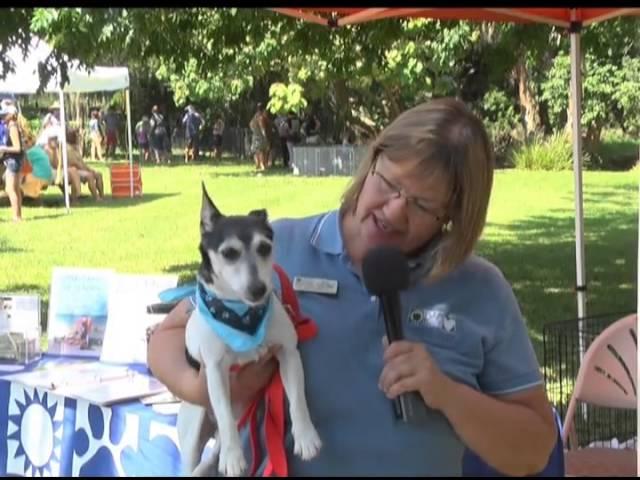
87 175
12 155
424 188
41 175
260 138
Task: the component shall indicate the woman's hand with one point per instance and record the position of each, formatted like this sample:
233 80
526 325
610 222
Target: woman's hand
167 360
409 367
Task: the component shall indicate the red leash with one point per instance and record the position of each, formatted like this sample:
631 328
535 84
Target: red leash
273 394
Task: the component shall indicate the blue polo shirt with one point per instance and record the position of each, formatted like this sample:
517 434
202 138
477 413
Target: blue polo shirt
469 321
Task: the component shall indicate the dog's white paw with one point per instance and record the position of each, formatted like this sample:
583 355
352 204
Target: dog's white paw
232 462
307 443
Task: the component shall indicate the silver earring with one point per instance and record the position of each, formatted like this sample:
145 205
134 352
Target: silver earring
447 227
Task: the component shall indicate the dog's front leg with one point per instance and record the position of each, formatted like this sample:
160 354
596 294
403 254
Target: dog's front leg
232 461
306 440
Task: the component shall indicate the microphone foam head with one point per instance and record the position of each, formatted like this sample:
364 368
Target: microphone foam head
384 270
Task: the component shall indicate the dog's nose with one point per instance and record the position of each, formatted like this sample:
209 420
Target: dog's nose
257 290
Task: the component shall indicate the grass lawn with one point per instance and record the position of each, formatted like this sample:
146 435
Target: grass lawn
530 231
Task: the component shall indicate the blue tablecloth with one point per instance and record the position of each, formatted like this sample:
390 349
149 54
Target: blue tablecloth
42 433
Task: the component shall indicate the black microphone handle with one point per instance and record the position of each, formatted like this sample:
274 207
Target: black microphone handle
391 313
408 407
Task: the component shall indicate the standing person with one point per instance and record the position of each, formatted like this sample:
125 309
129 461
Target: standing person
218 131
12 156
143 133
50 124
159 133
424 188
95 135
111 124
193 123
283 133
293 122
260 138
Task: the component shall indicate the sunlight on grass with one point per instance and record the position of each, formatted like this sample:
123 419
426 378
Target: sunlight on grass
529 234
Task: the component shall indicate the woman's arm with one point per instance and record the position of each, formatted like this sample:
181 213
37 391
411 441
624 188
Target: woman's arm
168 362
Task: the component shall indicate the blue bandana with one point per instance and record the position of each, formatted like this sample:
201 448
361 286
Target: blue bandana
240 326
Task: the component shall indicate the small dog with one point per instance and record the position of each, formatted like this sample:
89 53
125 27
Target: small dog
237 317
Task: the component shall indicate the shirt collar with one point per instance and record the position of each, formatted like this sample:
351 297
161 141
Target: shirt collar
327 234
327 237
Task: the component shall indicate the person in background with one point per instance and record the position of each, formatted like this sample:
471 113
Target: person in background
218 131
260 146
55 157
143 133
41 175
95 136
11 154
283 134
159 134
87 175
111 124
192 123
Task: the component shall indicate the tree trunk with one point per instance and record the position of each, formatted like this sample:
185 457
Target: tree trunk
528 100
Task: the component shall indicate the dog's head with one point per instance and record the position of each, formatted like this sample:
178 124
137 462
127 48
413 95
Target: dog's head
236 253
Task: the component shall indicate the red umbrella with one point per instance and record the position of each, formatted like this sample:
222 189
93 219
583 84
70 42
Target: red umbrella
571 18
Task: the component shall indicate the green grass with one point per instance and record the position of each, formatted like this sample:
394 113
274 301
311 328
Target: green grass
530 231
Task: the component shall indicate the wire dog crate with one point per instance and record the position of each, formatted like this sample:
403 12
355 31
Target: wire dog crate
562 345
322 160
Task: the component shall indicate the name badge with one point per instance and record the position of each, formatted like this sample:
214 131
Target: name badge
315 285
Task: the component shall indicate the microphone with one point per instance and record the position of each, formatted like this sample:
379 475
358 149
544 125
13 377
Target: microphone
385 272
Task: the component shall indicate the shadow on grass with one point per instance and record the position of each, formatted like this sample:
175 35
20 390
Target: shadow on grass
7 247
86 201
538 257
277 171
178 161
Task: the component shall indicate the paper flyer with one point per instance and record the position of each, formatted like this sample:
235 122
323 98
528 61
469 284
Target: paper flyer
125 339
78 311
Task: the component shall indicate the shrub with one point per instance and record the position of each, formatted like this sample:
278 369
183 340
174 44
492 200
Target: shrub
551 153
616 151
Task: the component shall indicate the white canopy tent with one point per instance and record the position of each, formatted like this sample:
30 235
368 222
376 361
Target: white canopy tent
25 80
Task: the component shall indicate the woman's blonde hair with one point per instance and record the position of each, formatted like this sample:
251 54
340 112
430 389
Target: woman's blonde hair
27 134
445 137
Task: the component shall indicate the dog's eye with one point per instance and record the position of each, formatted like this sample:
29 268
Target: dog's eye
231 254
264 249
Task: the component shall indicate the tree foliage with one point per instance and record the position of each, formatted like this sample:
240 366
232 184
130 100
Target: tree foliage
360 76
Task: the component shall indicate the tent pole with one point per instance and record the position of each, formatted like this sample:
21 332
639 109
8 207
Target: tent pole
128 106
62 144
576 96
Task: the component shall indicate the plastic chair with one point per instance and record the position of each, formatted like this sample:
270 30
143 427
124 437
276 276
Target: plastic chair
474 466
607 377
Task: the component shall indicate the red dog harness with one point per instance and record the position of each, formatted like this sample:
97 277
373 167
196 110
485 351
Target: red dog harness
273 394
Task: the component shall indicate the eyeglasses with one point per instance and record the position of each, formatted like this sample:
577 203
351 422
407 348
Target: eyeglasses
416 205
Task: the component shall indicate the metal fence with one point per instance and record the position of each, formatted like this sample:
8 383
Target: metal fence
323 160
561 362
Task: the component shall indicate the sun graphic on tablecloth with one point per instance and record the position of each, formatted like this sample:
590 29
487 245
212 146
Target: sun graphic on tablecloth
38 434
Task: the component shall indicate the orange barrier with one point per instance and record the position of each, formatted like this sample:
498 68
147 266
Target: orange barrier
120 182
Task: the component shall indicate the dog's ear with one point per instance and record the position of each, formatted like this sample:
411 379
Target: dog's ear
261 214
209 213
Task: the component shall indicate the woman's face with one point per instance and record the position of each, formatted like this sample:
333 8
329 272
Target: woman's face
400 205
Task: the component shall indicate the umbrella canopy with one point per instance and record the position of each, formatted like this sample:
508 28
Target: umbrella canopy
562 17
571 18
